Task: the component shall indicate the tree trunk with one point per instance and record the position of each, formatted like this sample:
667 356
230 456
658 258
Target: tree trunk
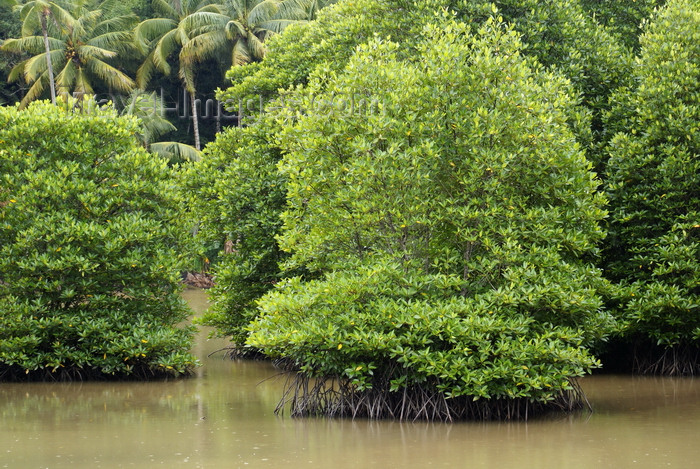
49 66
218 116
195 121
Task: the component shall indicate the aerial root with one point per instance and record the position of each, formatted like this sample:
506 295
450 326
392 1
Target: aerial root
332 397
674 361
74 373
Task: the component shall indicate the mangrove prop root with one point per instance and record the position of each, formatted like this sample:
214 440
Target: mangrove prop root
306 396
676 361
74 373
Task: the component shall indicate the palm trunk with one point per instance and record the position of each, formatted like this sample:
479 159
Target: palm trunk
195 121
49 66
218 116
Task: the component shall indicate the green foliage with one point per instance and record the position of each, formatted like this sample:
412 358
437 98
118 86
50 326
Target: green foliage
381 322
561 35
452 213
327 42
73 43
237 197
89 235
9 27
238 28
654 183
624 17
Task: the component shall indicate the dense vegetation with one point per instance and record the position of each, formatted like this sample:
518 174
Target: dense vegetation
107 48
89 242
436 222
334 322
654 188
239 198
428 209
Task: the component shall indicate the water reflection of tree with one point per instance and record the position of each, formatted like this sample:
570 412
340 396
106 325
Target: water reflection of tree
61 404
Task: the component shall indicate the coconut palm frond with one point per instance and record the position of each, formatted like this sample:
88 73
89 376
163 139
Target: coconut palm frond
294 9
67 76
16 72
186 74
114 40
203 46
213 8
263 11
156 126
30 44
237 8
240 54
82 84
86 22
31 14
315 7
30 18
196 5
183 35
36 65
165 9
35 91
175 151
255 46
113 77
117 23
25 44
203 18
62 18
86 52
164 47
146 31
146 71
235 29
148 108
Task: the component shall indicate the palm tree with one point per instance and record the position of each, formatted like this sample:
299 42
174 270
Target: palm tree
35 15
160 38
199 30
148 108
78 44
239 28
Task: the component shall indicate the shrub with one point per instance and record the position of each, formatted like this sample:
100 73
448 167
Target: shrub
239 196
623 17
653 185
89 233
560 35
453 227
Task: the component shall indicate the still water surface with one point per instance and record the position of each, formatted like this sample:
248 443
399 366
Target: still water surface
223 419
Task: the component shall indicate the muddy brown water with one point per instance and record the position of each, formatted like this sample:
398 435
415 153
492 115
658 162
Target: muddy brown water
223 418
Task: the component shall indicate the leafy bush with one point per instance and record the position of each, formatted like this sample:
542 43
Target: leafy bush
623 17
327 42
561 35
89 235
453 223
564 37
239 196
654 190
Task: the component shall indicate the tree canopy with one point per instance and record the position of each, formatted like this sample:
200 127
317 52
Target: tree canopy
654 181
90 249
75 48
434 215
